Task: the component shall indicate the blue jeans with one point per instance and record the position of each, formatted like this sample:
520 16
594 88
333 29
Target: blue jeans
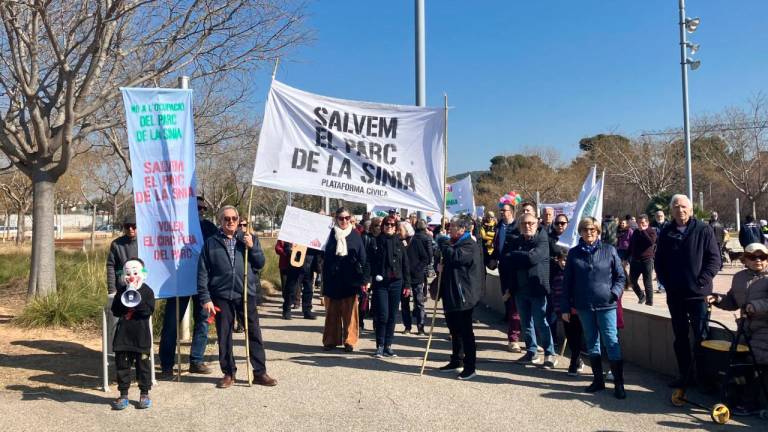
597 324
386 300
533 310
168 333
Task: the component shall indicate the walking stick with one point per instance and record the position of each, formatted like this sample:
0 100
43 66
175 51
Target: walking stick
245 297
178 343
445 205
562 350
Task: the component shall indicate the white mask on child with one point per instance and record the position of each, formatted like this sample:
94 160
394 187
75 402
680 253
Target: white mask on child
133 274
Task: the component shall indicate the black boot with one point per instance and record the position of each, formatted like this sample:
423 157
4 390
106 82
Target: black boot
598 382
617 367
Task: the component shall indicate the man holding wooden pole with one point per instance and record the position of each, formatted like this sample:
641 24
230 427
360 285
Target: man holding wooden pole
220 279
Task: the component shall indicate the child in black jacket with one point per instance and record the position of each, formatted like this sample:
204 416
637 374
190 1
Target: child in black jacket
132 343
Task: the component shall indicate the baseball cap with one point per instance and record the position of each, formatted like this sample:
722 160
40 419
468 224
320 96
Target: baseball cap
754 248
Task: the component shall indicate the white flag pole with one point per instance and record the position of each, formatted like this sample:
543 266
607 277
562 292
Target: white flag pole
442 224
245 273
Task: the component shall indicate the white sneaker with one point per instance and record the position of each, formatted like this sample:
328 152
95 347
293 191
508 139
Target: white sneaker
514 347
550 362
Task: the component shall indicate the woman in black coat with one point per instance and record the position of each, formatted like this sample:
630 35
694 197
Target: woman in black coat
344 275
389 270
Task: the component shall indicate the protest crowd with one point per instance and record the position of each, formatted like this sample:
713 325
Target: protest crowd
383 270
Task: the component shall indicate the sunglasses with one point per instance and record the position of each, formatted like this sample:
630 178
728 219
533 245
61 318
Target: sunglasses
529 223
202 208
561 223
343 217
390 224
129 226
231 218
244 225
756 257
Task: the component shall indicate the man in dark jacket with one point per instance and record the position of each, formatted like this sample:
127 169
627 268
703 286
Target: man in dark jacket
642 246
529 258
121 250
750 232
220 289
298 278
687 259
506 231
200 329
719 230
419 255
460 285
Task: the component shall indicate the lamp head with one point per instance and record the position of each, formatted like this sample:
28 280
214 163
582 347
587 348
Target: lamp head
693 47
691 24
694 64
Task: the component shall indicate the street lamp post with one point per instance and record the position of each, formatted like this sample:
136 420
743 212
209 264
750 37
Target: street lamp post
687 25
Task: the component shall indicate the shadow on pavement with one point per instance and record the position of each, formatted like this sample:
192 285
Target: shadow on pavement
64 363
59 395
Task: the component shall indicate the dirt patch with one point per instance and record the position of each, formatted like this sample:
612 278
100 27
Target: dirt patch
53 358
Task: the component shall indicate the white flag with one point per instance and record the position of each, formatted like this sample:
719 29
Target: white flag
364 152
587 196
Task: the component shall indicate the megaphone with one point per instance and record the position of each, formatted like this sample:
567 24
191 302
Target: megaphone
130 298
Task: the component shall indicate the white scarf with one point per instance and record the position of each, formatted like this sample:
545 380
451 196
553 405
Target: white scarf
341 239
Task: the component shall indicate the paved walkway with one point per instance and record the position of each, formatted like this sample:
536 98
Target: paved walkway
352 391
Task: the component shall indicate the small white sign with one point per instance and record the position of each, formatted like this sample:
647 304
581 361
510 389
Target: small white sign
305 228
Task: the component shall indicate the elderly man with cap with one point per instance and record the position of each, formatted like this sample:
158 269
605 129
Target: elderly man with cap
687 259
199 315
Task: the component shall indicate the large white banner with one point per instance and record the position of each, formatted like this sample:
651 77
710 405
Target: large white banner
357 151
589 203
161 139
461 198
305 228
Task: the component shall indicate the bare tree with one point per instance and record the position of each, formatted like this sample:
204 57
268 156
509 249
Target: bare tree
18 191
649 163
63 63
735 143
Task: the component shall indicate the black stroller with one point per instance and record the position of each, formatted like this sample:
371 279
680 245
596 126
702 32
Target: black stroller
739 363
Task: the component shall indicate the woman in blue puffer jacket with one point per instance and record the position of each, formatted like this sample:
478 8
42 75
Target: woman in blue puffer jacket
593 282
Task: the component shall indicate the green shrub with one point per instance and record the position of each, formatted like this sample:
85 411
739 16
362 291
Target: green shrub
81 293
71 307
271 270
13 266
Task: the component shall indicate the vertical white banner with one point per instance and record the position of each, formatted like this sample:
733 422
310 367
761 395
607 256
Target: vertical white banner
461 198
161 139
571 235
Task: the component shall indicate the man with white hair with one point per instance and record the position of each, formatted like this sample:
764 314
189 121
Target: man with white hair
687 259
220 282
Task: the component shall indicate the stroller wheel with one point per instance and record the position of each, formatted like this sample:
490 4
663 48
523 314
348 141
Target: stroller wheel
720 414
678 397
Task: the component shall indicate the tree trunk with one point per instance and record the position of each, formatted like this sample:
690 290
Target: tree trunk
20 227
754 209
42 272
93 228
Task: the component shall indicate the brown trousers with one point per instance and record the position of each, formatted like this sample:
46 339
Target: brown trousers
341 321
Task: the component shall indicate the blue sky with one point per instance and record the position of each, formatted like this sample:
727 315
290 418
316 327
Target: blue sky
526 74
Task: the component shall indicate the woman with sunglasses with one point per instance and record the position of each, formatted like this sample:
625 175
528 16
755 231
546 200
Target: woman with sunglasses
749 294
593 283
344 276
389 270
